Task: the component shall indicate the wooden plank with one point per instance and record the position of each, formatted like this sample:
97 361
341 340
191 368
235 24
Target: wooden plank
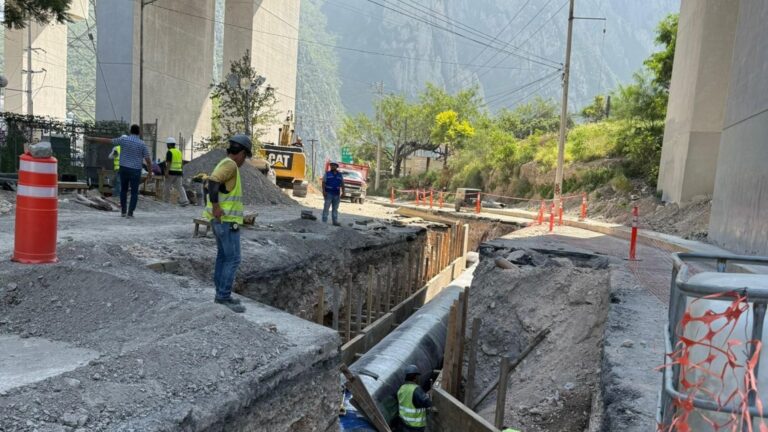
535 342
450 415
321 305
352 348
369 300
501 395
388 288
450 349
348 312
472 366
379 330
335 323
359 312
462 330
363 400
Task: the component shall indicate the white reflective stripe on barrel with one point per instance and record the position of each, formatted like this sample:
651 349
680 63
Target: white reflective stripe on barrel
37 167
37 191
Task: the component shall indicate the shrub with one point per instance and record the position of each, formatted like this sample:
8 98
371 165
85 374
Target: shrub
593 141
621 183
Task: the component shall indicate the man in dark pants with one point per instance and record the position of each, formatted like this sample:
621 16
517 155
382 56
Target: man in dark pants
224 209
333 189
132 152
413 402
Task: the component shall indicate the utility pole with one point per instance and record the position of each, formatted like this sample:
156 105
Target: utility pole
30 107
564 112
378 88
141 69
313 141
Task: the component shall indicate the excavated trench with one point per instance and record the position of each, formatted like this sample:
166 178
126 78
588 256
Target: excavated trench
519 290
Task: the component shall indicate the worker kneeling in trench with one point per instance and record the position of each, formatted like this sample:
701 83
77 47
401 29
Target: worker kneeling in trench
413 403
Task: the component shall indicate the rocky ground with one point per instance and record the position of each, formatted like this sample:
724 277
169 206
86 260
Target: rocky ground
562 290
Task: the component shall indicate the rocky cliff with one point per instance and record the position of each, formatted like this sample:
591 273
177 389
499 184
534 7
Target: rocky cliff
419 51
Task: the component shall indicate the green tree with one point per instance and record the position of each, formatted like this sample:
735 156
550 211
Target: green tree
245 104
660 63
450 132
535 117
596 111
18 13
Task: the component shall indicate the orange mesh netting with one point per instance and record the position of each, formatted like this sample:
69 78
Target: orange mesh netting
721 371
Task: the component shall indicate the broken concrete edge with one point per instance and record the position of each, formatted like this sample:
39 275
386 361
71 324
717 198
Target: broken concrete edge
633 350
319 354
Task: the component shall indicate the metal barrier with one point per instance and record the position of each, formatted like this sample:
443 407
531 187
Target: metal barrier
710 285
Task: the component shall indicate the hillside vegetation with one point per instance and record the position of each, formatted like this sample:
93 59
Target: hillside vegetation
514 152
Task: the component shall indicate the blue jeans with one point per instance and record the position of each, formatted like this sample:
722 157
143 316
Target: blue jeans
116 185
227 258
129 177
331 200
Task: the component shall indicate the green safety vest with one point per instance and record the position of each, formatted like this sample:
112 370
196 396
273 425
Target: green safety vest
412 416
231 203
117 158
175 159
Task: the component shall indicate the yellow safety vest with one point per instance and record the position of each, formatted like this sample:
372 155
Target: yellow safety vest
412 416
117 158
175 159
231 203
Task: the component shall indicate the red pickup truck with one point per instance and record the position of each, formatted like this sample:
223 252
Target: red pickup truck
355 180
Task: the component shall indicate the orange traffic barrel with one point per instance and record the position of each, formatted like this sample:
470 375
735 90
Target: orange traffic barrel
37 207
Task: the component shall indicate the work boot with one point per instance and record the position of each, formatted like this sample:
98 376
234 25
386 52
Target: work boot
233 304
336 224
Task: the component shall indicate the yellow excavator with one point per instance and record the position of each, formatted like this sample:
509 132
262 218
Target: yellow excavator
287 159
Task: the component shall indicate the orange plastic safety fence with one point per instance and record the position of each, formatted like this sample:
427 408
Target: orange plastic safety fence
707 378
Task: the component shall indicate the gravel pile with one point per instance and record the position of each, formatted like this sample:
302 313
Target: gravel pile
257 189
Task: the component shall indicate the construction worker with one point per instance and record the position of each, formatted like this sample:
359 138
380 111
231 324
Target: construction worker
413 402
132 152
115 156
224 209
333 189
174 176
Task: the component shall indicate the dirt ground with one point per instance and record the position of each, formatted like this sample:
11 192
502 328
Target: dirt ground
566 291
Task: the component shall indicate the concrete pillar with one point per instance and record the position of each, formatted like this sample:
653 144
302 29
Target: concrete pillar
178 65
270 30
697 98
739 219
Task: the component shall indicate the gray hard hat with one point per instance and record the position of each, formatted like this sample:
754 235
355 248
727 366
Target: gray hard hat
412 370
245 141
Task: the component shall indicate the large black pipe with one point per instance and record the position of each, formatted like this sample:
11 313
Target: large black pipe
420 340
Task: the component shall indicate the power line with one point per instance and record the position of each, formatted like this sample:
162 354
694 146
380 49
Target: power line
513 38
505 94
400 11
542 86
509 23
362 51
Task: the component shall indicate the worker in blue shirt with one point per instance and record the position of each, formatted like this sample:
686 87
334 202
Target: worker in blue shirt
333 189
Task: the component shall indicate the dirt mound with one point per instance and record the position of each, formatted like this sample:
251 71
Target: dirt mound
257 189
689 220
552 389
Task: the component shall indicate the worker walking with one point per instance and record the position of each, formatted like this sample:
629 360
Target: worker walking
174 176
132 152
115 156
333 189
413 402
224 209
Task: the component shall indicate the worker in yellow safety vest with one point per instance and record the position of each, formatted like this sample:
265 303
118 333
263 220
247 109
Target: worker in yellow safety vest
224 209
413 402
174 176
115 156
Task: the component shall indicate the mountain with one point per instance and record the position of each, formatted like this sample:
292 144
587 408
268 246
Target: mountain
430 42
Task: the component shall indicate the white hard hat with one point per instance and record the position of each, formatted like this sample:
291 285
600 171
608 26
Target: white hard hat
170 140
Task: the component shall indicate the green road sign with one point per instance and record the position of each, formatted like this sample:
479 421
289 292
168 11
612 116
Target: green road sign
346 155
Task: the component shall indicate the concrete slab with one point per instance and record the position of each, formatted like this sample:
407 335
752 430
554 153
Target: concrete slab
28 360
